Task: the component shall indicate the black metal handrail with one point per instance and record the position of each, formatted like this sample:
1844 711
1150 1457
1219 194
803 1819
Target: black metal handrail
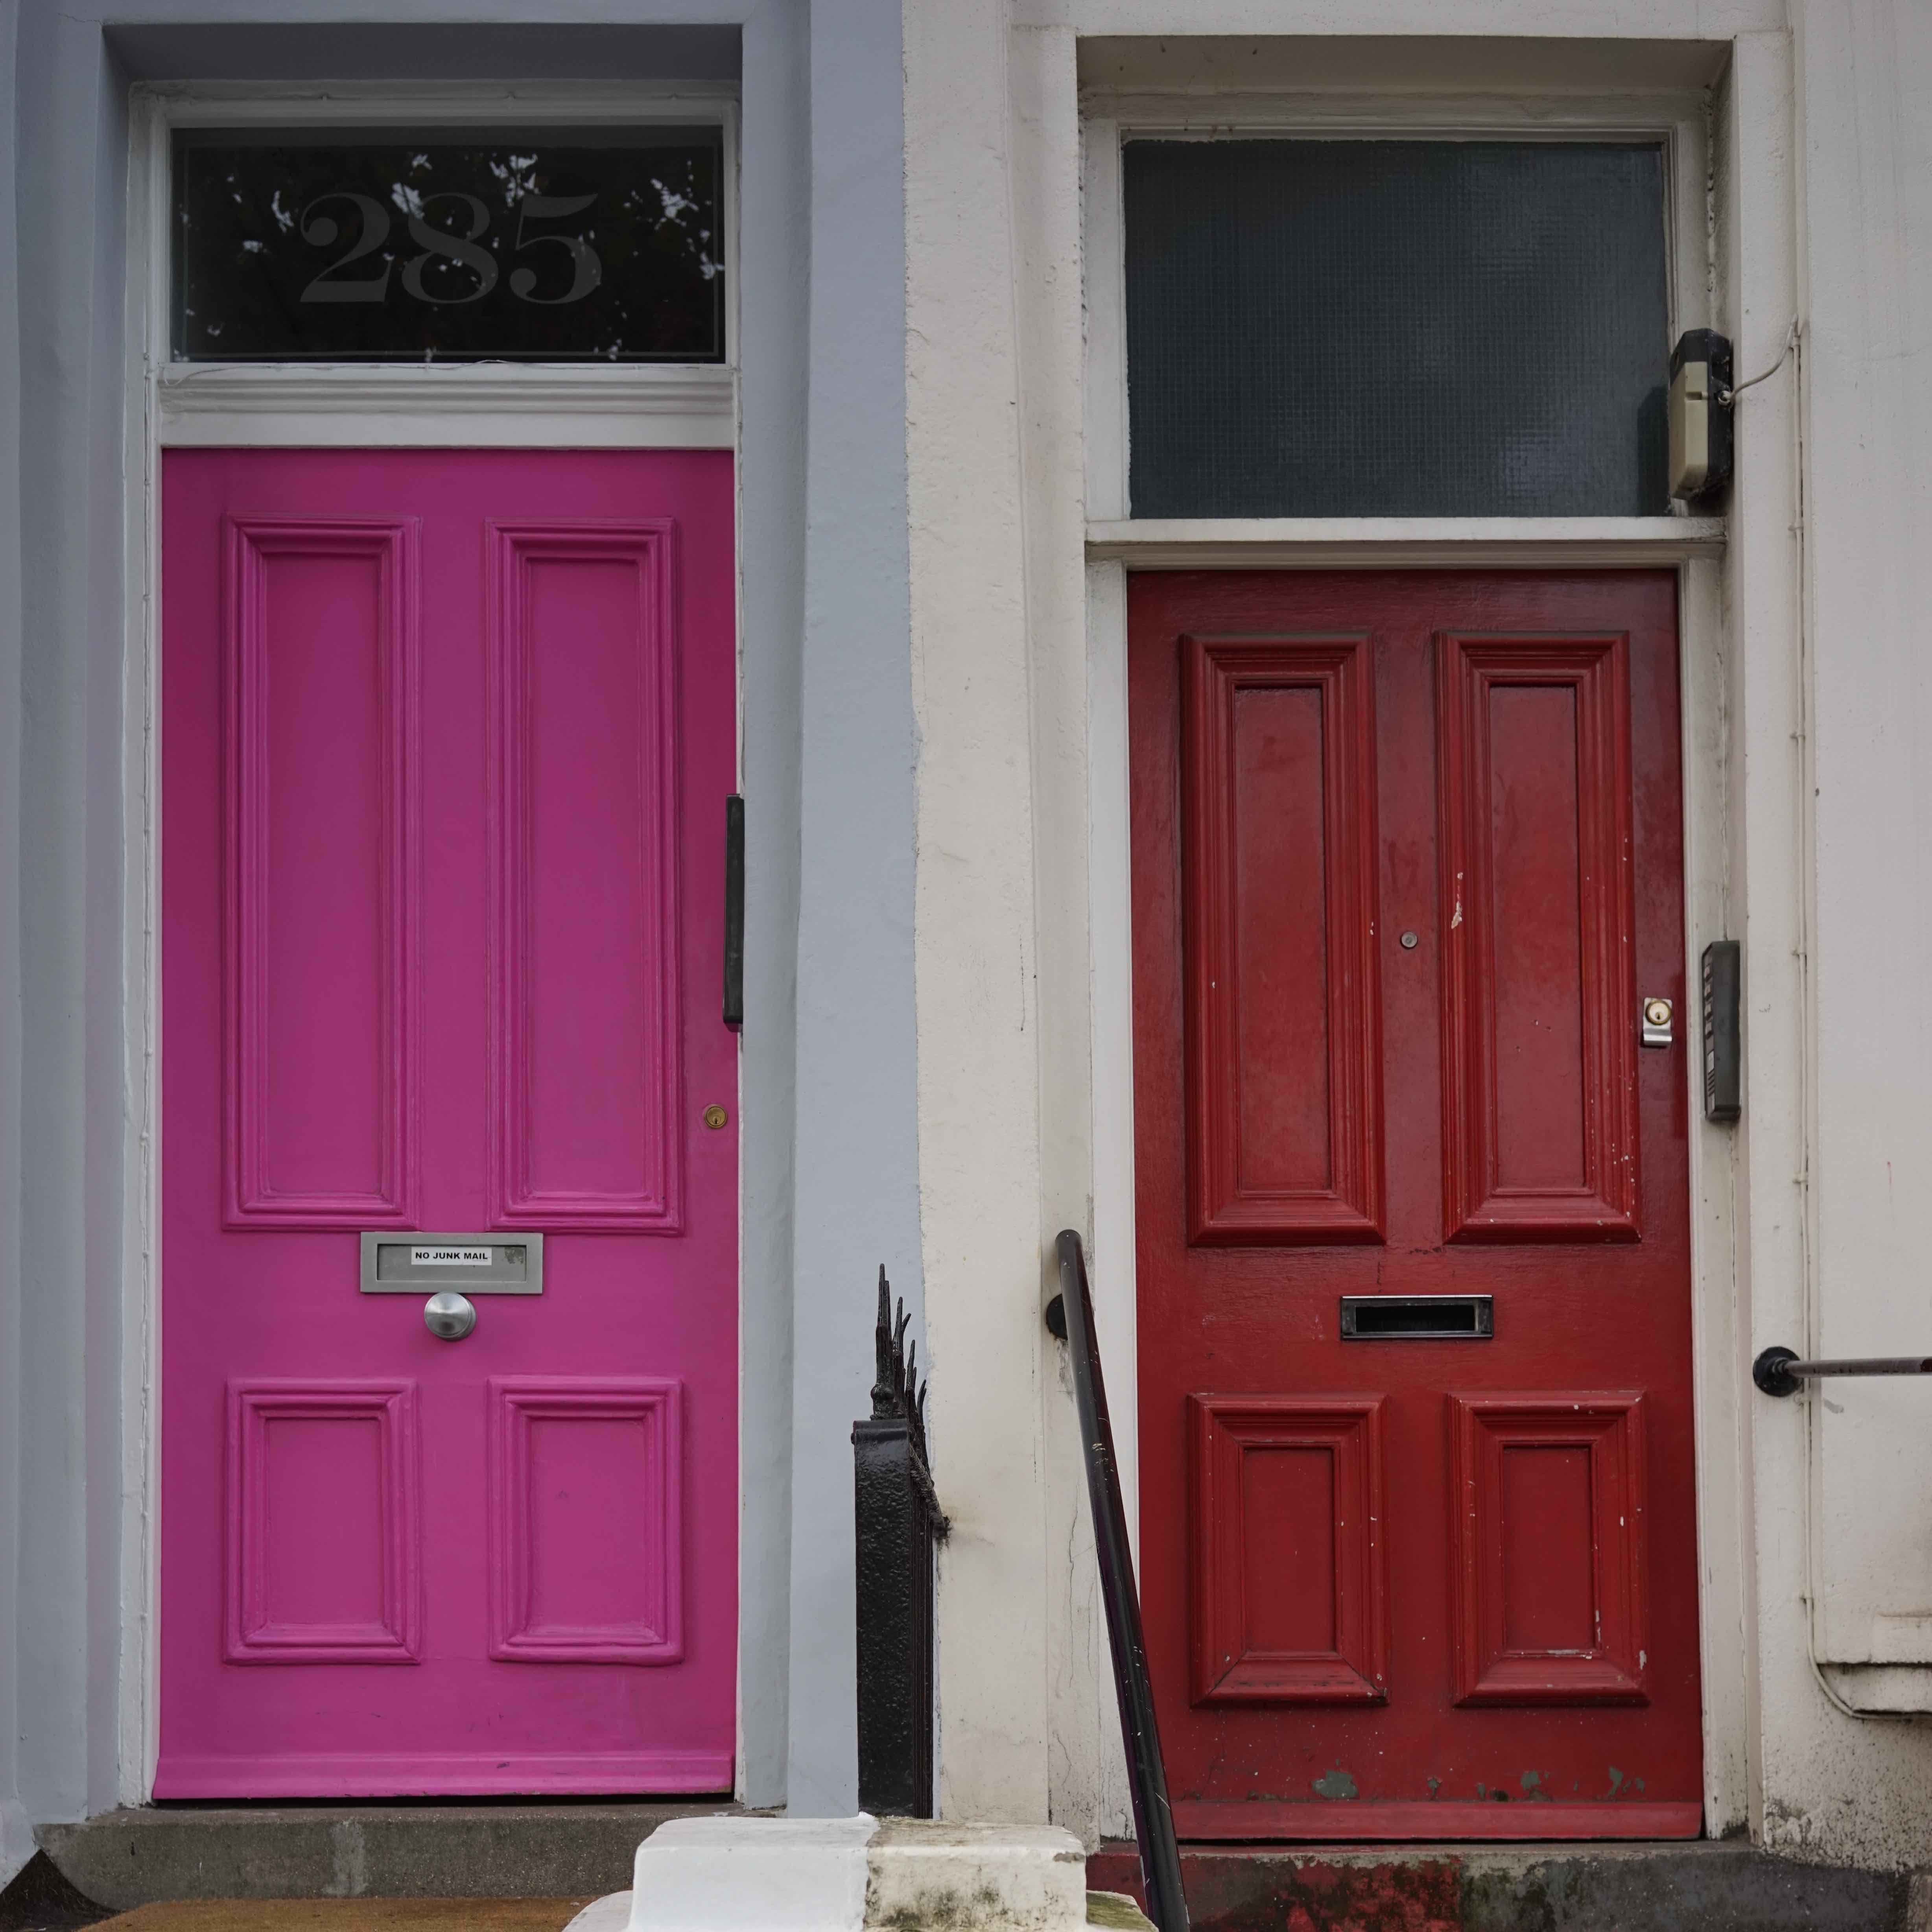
1070 1315
1781 1372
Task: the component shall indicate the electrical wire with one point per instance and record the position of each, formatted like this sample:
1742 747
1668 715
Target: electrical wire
1737 389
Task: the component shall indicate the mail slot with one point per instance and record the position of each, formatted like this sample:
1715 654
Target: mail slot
409 1264
1417 1317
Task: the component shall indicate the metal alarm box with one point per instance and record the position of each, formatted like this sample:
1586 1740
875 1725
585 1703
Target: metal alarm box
1724 1044
1699 416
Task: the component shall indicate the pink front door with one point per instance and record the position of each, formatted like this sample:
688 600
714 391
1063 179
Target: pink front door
446 738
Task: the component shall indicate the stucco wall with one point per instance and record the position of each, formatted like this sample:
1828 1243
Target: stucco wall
1846 1478
828 1057
857 1148
1819 188
978 1093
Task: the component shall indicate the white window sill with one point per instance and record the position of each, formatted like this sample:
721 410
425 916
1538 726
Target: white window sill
587 405
1303 543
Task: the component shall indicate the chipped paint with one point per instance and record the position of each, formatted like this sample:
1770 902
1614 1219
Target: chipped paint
1336 1784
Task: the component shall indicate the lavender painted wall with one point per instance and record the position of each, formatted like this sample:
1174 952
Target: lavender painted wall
828 1115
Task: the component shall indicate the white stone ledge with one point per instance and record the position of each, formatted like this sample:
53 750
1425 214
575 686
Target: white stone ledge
736 1874
1397 543
622 405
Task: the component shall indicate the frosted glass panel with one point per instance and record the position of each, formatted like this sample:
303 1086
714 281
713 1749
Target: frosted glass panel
1395 328
342 245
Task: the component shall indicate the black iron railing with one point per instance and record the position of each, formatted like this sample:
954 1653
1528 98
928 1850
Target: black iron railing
899 1523
1782 1372
1070 1315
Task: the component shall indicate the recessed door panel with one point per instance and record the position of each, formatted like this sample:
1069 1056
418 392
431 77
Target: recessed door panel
1285 1130
1290 1603
446 739
318 629
584 763
1551 1535
1406 852
1539 1132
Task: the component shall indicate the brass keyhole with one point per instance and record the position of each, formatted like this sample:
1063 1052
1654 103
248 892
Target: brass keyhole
714 1116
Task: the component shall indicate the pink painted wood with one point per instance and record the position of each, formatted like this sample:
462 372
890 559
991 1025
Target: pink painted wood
446 739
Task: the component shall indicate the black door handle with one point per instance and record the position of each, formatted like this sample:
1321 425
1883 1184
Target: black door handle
734 911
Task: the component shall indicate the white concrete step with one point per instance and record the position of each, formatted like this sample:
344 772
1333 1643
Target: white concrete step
860 1874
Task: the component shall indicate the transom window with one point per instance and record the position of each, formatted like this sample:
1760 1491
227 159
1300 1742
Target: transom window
1396 328
343 245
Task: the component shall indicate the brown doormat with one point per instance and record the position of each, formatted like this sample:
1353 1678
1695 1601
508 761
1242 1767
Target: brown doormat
351 1914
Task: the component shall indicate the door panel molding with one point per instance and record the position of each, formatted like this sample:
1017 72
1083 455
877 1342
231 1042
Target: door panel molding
1242 1006
1503 1606
257 1627
276 960
1483 1045
534 1182
1230 1436
643 1536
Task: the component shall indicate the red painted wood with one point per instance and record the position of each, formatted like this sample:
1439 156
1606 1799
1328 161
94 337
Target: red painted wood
1277 773
1539 1099
1551 1503
1291 1603
1533 1553
1496 1818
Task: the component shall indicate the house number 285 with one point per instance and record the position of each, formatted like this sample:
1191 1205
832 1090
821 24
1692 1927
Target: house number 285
465 250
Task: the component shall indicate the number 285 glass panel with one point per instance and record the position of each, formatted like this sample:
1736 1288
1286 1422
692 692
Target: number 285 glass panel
531 245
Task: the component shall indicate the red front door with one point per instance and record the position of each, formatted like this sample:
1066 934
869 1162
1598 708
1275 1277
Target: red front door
446 739
1417 1506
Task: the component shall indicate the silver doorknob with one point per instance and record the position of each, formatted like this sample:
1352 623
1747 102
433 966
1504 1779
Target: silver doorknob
449 1316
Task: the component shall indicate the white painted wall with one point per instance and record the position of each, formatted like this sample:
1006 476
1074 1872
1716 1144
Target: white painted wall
1864 150
1865 122
1822 200
975 934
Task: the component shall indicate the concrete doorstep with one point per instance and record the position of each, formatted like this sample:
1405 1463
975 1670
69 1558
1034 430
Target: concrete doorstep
1699 1886
711 1874
732 1874
152 1854
848 1875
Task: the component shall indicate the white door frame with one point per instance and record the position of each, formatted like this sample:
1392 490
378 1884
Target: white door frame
316 405
1726 255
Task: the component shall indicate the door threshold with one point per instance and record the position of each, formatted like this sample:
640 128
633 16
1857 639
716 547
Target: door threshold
1464 1821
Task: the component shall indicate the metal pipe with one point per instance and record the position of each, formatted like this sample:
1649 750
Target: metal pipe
1070 1315
1780 1372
